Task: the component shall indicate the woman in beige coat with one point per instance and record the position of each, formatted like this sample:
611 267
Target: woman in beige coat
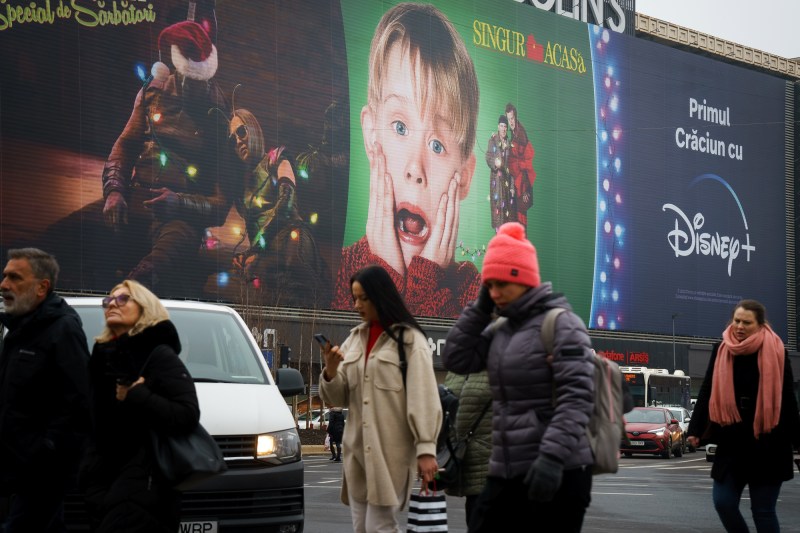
390 438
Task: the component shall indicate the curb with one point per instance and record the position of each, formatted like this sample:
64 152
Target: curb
314 449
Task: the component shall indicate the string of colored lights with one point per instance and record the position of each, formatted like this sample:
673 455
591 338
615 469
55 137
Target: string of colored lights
610 259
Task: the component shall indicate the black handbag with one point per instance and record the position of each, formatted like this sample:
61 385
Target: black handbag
450 456
184 460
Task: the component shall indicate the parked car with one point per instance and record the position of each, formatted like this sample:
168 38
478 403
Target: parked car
244 409
652 430
318 420
711 451
313 421
683 416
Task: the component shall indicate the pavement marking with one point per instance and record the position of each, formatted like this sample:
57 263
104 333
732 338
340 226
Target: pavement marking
698 468
634 484
619 494
666 467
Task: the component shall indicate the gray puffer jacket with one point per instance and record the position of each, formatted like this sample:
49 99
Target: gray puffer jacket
526 421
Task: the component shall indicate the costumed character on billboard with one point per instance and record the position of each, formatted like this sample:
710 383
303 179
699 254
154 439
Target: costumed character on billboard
283 261
520 164
502 193
162 178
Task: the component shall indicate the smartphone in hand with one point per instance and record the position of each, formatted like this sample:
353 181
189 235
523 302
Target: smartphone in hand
322 340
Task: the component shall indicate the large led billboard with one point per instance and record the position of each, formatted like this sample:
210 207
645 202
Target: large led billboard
262 151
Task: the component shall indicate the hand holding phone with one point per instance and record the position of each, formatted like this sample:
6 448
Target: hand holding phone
322 340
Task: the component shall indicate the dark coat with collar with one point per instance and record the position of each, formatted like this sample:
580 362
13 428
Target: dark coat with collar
44 412
526 421
336 425
766 459
125 490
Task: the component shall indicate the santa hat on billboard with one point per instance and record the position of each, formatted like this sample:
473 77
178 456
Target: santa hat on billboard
193 53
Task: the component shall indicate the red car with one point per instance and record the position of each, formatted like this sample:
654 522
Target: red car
652 430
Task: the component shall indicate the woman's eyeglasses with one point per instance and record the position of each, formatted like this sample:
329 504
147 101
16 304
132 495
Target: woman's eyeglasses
120 300
240 132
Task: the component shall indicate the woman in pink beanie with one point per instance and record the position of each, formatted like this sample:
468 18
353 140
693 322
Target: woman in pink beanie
541 402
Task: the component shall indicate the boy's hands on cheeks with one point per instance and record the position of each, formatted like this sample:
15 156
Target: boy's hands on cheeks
381 232
441 245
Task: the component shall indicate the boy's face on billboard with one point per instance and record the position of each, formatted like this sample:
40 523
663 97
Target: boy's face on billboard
421 151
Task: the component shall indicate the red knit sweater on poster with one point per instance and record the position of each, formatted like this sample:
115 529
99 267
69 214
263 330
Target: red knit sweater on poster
427 288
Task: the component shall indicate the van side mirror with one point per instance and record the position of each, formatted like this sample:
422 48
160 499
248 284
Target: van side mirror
289 381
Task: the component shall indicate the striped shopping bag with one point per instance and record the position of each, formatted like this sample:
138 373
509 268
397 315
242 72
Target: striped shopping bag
427 511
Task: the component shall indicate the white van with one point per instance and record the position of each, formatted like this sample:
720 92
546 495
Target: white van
244 409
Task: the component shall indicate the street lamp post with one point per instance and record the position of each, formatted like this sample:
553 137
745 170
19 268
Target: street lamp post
674 366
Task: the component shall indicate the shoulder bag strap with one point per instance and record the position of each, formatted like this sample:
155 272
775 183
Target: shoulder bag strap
547 335
549 328
401 352
477 421
146 361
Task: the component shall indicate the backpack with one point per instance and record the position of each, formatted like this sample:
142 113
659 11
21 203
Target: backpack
449 402
450 449
606 426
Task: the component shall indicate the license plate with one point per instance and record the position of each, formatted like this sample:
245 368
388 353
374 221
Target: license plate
198 527
637 443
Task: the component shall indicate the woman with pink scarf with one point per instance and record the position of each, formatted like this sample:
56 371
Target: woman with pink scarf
747 407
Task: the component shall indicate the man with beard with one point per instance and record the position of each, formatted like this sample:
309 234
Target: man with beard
44 386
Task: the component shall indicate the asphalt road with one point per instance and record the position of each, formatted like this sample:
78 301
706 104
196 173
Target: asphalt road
669 494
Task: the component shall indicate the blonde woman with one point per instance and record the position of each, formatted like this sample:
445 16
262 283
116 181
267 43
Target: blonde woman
138 385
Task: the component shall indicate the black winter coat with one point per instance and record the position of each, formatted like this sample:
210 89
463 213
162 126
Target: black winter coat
768 458
44 393
336 425
125 491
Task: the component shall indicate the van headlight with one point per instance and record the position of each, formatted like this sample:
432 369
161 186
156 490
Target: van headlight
280 447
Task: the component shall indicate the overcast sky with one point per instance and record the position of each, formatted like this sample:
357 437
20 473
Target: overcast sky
768 25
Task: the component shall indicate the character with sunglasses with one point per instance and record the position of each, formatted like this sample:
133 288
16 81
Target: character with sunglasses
283 255
162 178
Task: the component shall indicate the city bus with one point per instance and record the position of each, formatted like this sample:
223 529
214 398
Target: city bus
652 387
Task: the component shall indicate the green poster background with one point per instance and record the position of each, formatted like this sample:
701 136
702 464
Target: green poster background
556 106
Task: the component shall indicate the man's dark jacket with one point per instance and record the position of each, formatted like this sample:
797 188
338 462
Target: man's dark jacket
44 413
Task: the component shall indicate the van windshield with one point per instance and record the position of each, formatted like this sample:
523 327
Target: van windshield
214 346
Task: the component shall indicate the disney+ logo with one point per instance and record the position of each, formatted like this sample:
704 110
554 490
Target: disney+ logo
687 237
